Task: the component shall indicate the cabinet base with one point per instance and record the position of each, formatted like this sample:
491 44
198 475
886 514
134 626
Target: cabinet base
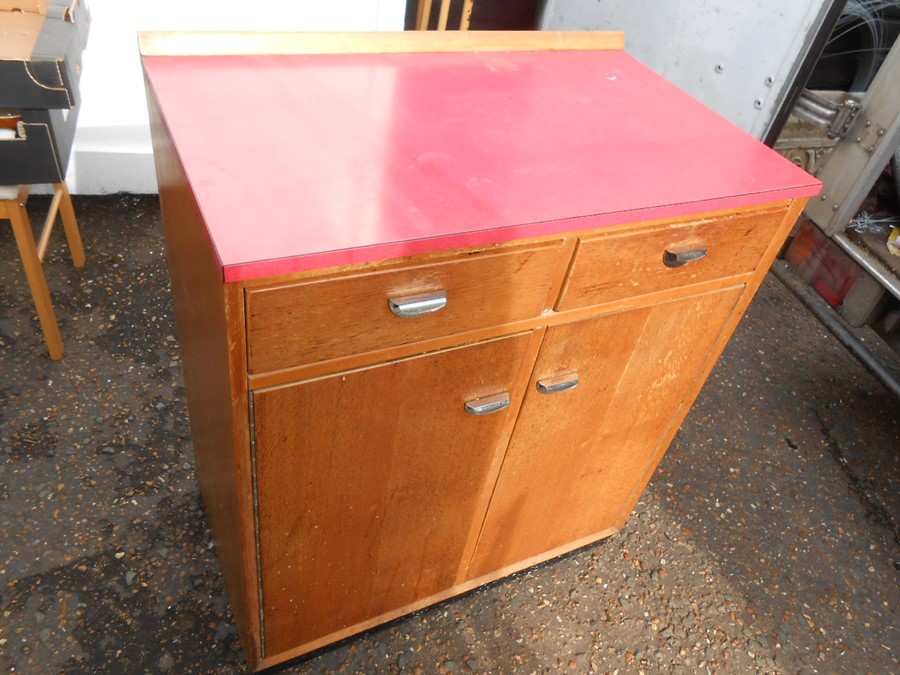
452 592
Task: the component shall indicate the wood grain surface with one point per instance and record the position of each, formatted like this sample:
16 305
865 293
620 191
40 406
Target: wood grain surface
575 456
330 318
220 448
613 266
173 43
369 485
789 216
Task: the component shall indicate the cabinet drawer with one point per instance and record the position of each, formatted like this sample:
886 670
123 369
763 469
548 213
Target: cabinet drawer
614 266
329 318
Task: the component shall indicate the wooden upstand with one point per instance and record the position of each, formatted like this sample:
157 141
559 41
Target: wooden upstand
443 300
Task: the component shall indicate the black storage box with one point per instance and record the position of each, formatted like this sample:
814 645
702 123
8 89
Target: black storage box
41 42
39 149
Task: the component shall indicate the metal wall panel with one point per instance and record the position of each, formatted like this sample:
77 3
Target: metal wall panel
739 58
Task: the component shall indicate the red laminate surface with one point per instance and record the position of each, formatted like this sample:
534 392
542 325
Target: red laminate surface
304 162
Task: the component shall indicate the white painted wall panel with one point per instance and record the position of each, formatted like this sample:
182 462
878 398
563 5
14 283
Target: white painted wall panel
112 151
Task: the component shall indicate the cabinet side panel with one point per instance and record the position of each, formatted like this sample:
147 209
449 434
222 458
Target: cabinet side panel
199 297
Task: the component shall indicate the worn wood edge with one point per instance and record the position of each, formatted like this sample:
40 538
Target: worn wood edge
242 600
240 400
492 475
563 270
458 589
447 257
762 221
307 371
793 211
712 217
175 43
501 247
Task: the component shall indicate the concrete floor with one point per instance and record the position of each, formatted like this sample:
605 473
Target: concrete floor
767 541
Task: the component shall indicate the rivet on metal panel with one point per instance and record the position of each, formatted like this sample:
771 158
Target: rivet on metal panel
758 104
871 148
881 132
835 207
770 81
858 139
868 123
823 197
720 68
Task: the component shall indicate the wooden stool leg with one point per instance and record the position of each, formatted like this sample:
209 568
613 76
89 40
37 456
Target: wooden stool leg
34 271
70 224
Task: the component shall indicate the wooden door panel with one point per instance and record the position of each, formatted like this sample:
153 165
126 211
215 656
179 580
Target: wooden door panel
575 456
370 483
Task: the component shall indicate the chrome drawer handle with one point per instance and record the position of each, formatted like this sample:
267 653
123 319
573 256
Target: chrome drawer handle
488 404
679 258
554 385
411 306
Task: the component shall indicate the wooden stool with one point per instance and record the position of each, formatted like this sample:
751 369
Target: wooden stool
423 14
12 208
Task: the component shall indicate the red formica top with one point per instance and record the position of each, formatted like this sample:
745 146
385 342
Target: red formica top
306 162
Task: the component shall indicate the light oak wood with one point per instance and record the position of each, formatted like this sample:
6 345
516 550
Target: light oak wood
616 265
49 221
344 482
205 320
14 211
423 14
489 477
568 238
444 15
466 20
217 44
61 205
547 318
576 455
317 435
70 224
32 254
422 603
790 216
368 485
321 320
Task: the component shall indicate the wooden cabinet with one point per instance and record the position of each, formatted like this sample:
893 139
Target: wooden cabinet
377 488
459 332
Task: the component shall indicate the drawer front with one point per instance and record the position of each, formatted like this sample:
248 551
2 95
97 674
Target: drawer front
330 318
615 266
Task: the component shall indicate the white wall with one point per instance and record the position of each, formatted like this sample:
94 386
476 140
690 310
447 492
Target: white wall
112 151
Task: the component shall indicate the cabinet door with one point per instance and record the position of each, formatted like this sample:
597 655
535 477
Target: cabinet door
577 456
372 485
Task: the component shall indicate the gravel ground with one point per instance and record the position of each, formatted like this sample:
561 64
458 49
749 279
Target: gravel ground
767 541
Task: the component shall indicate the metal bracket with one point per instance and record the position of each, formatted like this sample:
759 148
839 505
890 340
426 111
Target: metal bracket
838 118
843 120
